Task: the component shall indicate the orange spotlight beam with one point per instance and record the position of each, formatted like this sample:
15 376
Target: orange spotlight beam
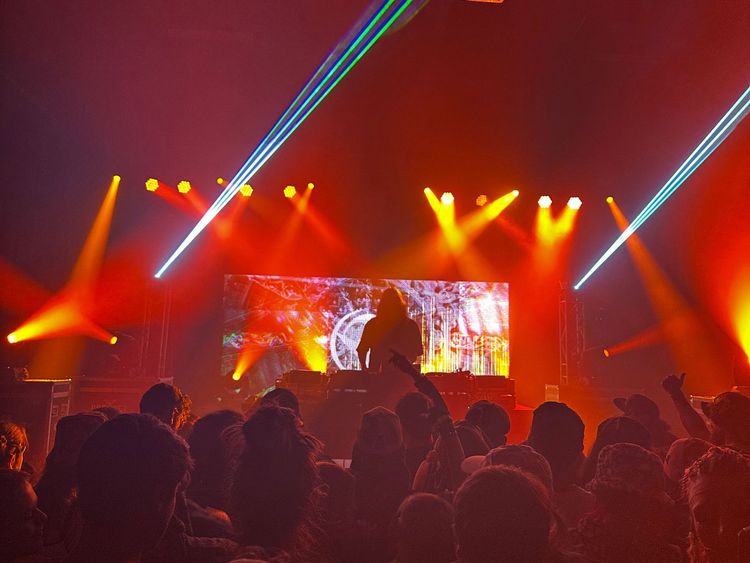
68 312
175 199
475 222
90 259
288 232
62 317
682 328
646 338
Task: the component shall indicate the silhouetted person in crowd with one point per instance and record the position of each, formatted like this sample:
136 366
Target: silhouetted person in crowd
502 515
283 398
13 445
729 416
275 486
108 412
492 420
557 433
717 487
210 477
681 455
56 487
338 512
645 411
379 467
171 406
472 439
414 413
615 430
519 456
633 519
167 403
418 413
128 473
424 529
391 329
21 522
208 493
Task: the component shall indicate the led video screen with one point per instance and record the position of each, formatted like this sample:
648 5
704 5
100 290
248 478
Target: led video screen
274 324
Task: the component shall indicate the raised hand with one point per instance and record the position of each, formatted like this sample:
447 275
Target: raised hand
673 384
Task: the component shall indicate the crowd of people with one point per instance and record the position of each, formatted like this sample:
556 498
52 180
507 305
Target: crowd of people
421 487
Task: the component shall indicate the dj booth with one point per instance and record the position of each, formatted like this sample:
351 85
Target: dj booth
332 404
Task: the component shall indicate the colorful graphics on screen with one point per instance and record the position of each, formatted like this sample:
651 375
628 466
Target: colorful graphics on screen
274 324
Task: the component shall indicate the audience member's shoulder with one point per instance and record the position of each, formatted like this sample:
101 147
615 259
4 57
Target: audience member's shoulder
210 550
252 554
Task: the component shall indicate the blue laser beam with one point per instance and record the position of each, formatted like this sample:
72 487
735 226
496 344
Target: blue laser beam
292 125
304 98
708 145
303 105
699 154
261 154
265 148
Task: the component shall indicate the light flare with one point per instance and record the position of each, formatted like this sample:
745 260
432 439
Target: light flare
740 310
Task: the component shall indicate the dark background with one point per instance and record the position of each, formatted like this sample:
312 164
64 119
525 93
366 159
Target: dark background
583 98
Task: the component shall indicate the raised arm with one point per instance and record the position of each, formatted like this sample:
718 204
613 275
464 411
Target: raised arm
422 384
690 419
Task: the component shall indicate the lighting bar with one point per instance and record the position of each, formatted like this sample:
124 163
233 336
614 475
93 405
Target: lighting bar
311 95
708 145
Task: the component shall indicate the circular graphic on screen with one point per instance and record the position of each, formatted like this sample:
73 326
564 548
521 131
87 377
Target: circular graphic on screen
345 338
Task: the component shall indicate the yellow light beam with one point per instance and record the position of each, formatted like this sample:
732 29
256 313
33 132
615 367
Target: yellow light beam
91 256
683 330
68 312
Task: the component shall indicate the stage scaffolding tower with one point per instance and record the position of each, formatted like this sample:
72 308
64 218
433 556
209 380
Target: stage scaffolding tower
154 353
572 333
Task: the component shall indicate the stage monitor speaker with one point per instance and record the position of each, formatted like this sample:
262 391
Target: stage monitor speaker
122 393
498 389
37 405
306 384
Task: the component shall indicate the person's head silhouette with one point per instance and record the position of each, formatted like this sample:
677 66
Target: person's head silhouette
128 473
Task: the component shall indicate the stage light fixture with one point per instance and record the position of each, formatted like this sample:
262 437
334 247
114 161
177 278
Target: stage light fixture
337 65
221 181
113 340
427 191
575 203
545 202
152 184
606 353
184 187
446 198
708 145
610 199
515 193
246 190
481 200
290 192
310 186
12 338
